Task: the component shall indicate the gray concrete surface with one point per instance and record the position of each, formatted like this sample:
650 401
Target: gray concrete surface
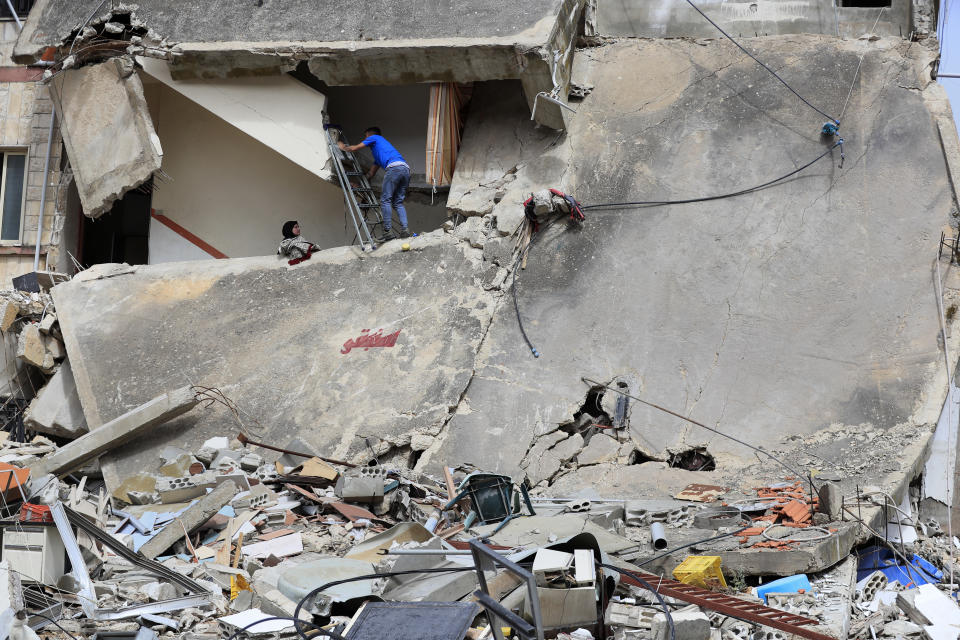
677 19
56 410
348 43
272 338
133 424
107 131
770 316
800 318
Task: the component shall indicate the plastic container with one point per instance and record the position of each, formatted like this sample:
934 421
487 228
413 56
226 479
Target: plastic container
702 571
790 584
35 513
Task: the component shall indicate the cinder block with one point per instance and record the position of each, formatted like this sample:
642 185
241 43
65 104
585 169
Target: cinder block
688 625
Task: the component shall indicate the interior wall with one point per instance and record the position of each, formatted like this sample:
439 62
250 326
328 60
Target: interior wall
400 112
230 190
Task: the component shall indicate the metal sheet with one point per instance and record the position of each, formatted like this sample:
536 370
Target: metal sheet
413 621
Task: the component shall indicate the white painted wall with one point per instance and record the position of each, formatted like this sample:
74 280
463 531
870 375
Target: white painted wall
400 111
231 190
279 111
166 245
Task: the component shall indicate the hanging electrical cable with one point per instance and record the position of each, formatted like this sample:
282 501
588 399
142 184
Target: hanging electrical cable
769 183
762 64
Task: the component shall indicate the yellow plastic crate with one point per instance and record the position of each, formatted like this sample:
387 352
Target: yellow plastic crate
702 571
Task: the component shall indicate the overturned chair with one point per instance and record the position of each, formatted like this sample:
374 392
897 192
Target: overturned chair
494 498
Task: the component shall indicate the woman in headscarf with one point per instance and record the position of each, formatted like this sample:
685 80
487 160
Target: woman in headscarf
293 246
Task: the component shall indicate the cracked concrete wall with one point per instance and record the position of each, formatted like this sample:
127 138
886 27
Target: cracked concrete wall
273 337
771 316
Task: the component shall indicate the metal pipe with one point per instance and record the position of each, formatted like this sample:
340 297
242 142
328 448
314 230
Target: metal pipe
16 18
46 180
425 552
573 499
658 534
245 440
948 75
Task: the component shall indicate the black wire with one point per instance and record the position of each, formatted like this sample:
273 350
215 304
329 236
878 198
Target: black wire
516 305
670 551
758 61
656 203
370 576
331 634
40 615
647 585
694 422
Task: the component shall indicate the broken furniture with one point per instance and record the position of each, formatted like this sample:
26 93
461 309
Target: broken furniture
35 551
485 559
493 498
412 621
566 589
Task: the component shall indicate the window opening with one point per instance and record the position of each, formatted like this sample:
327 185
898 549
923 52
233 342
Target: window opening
12 190
863 4
22 7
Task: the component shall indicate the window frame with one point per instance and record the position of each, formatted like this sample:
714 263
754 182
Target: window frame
20 13
7 152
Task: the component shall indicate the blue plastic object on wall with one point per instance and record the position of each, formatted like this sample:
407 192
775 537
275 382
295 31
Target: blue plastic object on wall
883 560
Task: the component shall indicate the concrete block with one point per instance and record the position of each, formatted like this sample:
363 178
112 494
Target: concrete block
831 499
627 615
257 497
32 350
185 488
121 430
251 461
8 314
46 323
688 624
56 410
363 484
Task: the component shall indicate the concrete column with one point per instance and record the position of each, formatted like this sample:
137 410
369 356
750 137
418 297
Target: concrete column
192 518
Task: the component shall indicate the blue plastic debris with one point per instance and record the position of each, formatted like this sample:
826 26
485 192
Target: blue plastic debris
882 559
790 584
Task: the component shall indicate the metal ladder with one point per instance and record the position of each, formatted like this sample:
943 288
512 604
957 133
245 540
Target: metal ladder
361 202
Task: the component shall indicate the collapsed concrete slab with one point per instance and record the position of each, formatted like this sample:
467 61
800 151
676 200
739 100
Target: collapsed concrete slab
353 353
133 424
763 315
107 131
424 42
56 410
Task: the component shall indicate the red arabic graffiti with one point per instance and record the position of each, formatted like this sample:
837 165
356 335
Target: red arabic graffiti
366 340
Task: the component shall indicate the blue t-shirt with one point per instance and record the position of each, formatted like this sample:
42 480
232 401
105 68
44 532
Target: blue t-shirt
383 151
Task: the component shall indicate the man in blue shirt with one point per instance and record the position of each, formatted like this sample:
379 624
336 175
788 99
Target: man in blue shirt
395 180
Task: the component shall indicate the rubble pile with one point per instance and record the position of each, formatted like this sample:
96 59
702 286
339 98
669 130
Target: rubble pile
242 538
230 535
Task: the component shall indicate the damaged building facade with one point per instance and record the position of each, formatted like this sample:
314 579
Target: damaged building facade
681 308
